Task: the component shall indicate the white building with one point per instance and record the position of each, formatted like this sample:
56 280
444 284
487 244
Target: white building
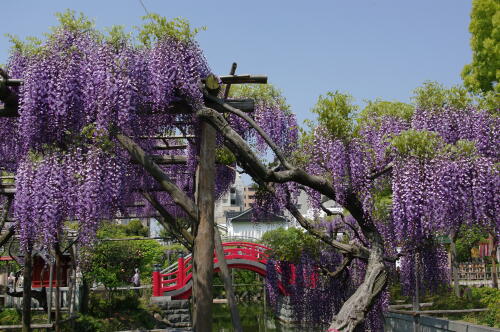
243 224
231 201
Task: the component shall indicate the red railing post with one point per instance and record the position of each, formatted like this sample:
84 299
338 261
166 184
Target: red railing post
156 280
180 272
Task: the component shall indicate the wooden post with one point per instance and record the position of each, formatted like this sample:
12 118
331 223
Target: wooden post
454 263
28 267
58 254
494 272
226 278
416 298
204 241
51 281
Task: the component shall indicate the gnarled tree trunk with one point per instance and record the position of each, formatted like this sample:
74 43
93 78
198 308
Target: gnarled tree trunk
354 310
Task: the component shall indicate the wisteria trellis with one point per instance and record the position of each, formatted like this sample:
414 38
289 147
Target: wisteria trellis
80 89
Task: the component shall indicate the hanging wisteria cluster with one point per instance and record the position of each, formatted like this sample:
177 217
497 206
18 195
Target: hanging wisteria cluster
314 297
442 172
79 89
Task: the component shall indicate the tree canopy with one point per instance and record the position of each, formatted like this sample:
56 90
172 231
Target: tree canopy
482 74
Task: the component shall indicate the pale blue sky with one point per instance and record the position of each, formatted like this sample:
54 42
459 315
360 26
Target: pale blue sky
368 48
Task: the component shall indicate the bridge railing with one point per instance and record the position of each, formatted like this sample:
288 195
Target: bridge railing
178 275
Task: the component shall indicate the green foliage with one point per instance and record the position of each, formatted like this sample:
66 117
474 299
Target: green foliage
382 199
380 108
113 262
266 93
136 228
490 298
425 144
224 156
288 245
335 112
10 316
158 27
484 297
246 283
117 36
69 20
417 143
155 28
475 298
483 73
31 45
469 237
433 95
123 312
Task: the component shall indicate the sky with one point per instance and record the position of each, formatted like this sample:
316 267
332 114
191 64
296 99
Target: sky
367 48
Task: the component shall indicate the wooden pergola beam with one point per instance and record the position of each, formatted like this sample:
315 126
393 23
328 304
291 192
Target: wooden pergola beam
244 79
170 147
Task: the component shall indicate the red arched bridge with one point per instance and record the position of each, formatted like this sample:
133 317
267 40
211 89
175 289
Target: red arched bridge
176 280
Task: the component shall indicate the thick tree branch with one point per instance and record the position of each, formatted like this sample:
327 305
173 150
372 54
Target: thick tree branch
345 263
252 164
7 236
5 212
141 157
170 223
226 107
348 249
386 169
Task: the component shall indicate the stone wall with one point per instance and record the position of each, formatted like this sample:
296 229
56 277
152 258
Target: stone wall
402 323
283 309
174 313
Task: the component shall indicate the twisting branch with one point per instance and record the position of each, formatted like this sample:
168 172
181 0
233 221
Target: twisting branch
10 99
388 168
226 107
140 156
3 220
348 249
252 164
345 263
5 212
170 223
7 236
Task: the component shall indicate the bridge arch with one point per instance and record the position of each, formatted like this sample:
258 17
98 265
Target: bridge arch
176 280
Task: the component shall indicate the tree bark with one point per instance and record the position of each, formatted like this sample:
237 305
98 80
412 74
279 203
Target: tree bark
454 263
354 310
204 241
226 278
140 156
170 223
494 272
58 285
28 267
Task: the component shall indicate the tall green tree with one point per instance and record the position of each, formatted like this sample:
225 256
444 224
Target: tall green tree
483 73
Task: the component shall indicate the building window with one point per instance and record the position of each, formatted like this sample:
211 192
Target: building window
233 201
233 190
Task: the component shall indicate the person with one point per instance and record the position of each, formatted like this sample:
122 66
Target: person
136 280
11 282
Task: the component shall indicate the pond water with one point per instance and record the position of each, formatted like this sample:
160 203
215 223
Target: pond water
253 319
